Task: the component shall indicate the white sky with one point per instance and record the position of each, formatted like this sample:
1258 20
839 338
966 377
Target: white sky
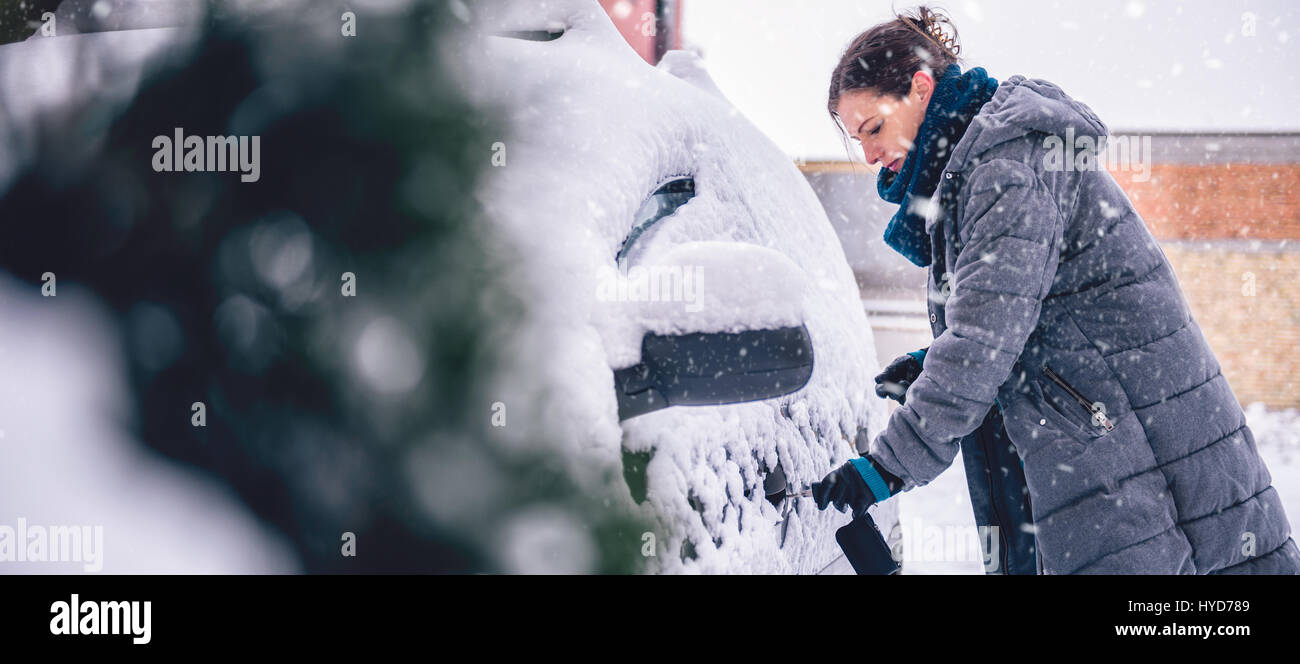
1156 65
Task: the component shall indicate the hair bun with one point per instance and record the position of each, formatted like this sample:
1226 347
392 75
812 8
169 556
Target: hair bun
932 24
885 58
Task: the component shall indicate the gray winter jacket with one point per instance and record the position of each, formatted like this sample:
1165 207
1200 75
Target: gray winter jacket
1136 453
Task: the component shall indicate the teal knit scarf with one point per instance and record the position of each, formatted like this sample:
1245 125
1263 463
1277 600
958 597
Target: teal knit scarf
957 99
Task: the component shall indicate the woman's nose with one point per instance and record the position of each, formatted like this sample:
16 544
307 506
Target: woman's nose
873 156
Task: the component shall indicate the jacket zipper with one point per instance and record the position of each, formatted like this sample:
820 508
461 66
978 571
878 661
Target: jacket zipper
1095 411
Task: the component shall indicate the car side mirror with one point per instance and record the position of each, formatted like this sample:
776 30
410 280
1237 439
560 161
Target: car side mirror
714 368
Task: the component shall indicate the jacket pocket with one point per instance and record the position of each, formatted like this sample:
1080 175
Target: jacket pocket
1081 414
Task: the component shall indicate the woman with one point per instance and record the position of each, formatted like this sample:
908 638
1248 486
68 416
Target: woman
1062 343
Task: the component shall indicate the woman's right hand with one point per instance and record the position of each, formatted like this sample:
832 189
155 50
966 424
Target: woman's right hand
892 383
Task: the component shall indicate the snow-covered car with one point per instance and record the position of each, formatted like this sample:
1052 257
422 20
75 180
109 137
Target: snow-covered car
643 207
670 252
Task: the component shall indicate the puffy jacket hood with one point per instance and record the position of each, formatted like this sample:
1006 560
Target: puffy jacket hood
1022 106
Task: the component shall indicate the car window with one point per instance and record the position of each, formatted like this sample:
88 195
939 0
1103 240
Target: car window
663 202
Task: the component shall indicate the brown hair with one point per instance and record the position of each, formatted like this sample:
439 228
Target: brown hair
884 58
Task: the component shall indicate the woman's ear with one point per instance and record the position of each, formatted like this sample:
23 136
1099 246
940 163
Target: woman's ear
922 85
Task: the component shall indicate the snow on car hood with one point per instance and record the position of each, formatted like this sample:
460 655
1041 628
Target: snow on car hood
590 131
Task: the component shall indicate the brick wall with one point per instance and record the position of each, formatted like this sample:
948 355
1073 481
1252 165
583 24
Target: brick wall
1256 337
1198 202
1226 230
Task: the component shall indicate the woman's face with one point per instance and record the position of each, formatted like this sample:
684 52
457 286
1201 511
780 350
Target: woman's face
885 125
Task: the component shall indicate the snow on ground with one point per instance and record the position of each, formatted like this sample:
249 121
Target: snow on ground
595 130
1277 437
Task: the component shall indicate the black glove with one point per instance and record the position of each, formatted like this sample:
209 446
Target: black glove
892 383
845 487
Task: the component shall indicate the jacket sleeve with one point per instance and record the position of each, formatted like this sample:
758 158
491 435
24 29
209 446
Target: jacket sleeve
1010 229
